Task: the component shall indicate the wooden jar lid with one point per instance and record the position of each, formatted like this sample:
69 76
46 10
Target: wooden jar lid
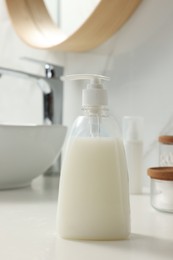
161 173
166 139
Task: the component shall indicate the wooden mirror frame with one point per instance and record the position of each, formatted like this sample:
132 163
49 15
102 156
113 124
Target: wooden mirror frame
35 27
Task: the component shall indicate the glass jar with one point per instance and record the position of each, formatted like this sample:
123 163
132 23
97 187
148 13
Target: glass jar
162 188
166 150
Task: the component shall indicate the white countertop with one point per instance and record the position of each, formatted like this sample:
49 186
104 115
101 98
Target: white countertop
27 229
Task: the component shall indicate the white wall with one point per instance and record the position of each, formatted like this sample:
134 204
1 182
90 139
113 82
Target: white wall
139 60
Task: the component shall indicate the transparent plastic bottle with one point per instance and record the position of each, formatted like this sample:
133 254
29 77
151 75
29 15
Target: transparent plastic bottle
93 199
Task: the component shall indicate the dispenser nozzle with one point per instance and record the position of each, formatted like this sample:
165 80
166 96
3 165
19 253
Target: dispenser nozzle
94 94
94 78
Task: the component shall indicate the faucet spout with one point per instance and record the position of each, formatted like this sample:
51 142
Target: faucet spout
51 87
18 73
25 75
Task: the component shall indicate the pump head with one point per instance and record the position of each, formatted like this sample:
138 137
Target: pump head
94 94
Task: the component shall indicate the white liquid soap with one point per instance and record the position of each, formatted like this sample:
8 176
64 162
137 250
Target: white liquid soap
93 201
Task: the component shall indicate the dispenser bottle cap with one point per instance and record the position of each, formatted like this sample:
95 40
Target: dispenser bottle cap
94 94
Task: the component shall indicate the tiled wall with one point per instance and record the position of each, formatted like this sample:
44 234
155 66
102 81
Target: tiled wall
138 59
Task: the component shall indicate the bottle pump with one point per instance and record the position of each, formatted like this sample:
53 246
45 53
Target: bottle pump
93 201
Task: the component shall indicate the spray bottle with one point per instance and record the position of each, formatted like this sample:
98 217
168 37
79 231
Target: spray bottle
93 201
133 142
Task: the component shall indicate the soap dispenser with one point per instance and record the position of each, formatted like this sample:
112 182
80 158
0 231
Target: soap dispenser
93 201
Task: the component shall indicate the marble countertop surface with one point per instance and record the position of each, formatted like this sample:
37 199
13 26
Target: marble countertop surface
28 221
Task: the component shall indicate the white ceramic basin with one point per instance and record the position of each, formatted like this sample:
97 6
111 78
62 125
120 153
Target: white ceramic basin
27 152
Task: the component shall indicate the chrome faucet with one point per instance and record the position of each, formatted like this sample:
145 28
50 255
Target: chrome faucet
52 89
51 86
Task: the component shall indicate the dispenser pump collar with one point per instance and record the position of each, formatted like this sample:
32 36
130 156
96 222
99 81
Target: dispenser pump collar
94 94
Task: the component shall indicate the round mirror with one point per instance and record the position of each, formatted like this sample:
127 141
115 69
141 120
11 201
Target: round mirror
76 25
63 12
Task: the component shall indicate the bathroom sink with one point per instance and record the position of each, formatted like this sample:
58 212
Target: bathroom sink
27 151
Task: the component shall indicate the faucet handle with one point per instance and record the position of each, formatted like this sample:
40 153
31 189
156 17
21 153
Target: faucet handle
51 70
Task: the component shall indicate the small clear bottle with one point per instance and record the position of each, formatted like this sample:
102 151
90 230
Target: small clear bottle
93 201
133 141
